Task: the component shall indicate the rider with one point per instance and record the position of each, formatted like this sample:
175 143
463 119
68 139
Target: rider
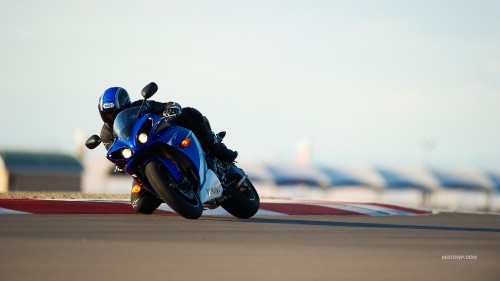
116 99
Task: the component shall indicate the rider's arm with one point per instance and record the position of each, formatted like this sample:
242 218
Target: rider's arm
107 137
156 107
152 106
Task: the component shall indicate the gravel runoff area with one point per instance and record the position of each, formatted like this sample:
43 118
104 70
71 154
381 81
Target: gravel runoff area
60 195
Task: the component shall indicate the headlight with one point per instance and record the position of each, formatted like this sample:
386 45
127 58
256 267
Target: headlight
143 138
126 152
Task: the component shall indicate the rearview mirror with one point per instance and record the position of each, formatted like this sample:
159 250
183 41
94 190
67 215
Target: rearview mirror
93 142
149 90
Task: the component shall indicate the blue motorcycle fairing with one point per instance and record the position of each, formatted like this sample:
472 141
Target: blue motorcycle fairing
125 126
173 136
128 125
115 150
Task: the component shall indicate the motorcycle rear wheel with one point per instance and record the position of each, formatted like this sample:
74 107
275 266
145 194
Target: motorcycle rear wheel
243 201
185 202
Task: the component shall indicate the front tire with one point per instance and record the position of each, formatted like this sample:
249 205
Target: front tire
185 202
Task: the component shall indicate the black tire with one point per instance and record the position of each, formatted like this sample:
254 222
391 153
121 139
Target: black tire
164 185
243 202
144 202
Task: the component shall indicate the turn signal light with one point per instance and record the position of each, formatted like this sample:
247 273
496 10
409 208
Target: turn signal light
186 142
136 188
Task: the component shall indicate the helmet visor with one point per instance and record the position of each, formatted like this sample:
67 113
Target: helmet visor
108 117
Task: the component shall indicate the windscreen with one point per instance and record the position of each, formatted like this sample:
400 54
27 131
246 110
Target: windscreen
124 123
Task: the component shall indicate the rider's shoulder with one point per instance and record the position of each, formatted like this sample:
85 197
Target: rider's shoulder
137 103
147 103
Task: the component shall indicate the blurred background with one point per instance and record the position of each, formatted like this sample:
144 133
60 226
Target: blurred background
395 101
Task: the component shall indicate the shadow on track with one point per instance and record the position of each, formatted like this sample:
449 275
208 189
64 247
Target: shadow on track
367 225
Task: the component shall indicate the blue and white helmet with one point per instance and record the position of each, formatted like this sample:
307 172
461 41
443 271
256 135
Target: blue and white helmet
111 102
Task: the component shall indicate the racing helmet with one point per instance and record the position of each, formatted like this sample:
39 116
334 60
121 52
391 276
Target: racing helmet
111 102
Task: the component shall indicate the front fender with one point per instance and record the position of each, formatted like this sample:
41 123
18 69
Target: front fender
174 137
170 164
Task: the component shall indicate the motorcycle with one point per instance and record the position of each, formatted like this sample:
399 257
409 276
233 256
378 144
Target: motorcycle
169 162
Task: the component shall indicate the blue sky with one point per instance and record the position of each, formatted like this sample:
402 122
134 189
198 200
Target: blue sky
365 81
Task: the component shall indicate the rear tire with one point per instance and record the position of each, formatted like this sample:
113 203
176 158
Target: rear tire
186 203
243 202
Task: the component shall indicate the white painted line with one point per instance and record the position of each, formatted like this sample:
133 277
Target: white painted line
4 211
353 208
385 210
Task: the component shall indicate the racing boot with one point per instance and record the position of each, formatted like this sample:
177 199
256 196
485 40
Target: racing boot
225 154
220 150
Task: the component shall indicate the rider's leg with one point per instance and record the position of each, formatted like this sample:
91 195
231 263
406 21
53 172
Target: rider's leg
222 152
199 124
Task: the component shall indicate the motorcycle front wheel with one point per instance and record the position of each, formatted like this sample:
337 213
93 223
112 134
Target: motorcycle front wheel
183 201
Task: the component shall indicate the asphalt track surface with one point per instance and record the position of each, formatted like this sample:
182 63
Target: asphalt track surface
445 246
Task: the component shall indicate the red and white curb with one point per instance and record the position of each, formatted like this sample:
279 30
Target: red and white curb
294 207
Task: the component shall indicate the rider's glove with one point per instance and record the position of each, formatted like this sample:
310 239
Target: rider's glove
172 110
